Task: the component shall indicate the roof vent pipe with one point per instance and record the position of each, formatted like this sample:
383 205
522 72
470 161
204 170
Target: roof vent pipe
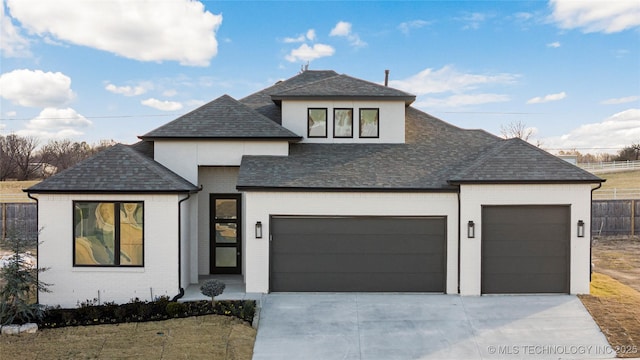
386 78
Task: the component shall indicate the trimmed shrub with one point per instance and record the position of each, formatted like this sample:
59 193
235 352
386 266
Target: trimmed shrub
212 288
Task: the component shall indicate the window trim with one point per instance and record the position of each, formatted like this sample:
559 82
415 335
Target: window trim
360 124
116 229
326 123
335 127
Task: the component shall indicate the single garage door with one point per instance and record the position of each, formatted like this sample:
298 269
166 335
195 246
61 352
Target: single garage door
343 254
525 249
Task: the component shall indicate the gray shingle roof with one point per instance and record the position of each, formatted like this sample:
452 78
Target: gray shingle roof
222 118
517 161
118 169
261 100
434 150
435 153
343 86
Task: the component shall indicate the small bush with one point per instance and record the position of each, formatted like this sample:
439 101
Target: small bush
176 309
212 288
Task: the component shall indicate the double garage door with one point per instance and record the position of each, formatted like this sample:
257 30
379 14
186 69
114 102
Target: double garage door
343 254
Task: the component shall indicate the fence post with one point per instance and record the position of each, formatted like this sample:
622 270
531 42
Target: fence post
4 222
633 217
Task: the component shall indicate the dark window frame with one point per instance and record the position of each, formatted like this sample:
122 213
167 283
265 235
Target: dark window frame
116 229
334 124
326 123
360 123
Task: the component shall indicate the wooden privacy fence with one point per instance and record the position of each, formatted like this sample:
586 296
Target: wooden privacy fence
615 217
19 217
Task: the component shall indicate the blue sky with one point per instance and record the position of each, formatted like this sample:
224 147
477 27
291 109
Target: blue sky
115 69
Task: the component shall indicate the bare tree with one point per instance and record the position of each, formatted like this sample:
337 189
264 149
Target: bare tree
631 152
26 147
516 129
16 156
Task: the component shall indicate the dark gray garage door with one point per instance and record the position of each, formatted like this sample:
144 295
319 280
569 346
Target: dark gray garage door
357 254
525 249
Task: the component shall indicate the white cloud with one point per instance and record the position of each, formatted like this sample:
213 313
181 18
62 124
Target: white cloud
615 132
448 79
343 29
12 43
407 26
622 100
461 100
596 16
55 123
309 35
129 90
523 16
474 20
307 53
162 105
169 93
178 30
547 98
36 88
11 113
555 44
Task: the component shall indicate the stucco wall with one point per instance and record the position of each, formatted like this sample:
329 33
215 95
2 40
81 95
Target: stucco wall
71 285
184 157
391 119
260 205
472 197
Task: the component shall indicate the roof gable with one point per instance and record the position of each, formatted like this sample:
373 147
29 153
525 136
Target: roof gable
118 169
222 118
261 100
343 86
517 161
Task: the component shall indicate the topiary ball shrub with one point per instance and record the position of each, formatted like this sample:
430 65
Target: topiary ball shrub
212 288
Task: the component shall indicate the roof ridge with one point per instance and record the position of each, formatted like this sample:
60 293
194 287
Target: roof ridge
152 165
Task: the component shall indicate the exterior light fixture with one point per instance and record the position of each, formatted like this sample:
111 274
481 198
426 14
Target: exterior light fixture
471 229
259 230
580 228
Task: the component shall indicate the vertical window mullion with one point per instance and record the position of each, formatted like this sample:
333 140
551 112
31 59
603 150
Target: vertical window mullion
116 229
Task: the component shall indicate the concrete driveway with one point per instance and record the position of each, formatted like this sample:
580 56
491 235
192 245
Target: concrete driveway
420 326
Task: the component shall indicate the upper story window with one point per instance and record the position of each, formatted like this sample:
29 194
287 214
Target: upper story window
342 123
317 123
108 233
369 123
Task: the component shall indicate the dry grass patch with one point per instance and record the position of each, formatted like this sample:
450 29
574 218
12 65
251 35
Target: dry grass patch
620 180
202 337
616 309
11 191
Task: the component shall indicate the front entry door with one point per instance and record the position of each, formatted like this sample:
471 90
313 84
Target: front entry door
225 234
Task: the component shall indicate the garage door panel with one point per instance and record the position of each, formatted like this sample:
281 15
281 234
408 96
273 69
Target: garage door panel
525 249
352 225
356 282
321 243
514 247
357 254
372 263
526 215
529 284
534 265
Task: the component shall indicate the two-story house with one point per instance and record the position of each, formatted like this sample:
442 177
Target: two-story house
322 182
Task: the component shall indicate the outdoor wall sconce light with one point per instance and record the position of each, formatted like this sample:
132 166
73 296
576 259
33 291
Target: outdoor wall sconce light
580 228
259 230
471 229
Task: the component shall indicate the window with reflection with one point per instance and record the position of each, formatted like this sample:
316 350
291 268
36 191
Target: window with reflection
108 233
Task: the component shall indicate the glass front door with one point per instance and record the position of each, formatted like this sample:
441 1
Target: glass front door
225 230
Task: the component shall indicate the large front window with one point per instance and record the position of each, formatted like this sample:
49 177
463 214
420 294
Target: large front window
108 233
